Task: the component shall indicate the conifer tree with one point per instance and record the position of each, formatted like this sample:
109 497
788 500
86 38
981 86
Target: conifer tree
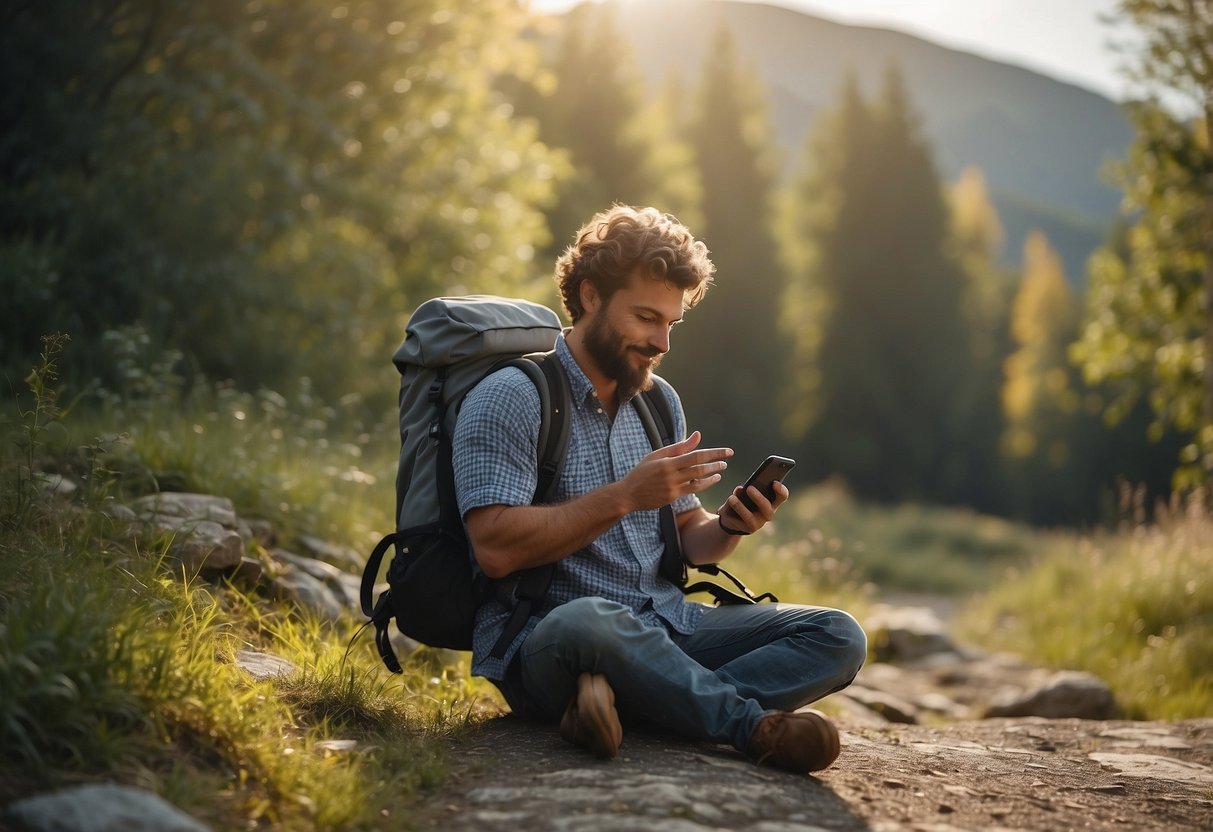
622 148
1042 320
729 357
976 240
893 355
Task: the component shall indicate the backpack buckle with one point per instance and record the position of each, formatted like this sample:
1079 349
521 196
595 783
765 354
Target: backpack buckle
435 431
435 393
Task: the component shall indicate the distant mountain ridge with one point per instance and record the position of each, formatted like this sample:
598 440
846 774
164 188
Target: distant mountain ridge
1042 143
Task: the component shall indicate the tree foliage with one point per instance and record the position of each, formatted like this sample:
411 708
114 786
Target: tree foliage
590 101
268 186
1041 393
1148 324
729 358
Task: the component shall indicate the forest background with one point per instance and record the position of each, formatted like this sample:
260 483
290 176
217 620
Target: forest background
256 194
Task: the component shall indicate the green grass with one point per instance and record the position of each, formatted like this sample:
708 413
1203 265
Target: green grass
1135 607
304 466
110 668
909 548
114 669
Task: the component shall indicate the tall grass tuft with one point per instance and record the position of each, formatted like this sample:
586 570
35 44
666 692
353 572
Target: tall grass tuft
1135 607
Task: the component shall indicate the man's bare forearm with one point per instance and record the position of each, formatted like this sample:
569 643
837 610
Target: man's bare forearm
703 540
508 538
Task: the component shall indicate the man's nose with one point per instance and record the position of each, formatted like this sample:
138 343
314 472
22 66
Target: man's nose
661 340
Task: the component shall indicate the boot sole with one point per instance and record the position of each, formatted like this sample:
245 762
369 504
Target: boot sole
598 726
831 744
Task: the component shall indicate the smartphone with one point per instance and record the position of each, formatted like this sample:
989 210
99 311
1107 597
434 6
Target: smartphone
772 469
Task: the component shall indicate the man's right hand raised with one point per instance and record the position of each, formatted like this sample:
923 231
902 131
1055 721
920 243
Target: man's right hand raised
674 471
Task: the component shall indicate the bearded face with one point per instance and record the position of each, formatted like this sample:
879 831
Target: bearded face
631 366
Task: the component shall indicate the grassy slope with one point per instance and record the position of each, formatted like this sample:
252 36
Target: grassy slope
1135 607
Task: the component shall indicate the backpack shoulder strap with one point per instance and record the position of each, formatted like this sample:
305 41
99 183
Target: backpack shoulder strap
658 419
661 413
555 405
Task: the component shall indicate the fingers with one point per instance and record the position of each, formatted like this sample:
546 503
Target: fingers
684 456
683 468
781 494
743 518
679 448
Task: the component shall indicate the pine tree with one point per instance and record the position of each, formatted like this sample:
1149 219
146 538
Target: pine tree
894 350
729 358
622 148
1042 322
976 241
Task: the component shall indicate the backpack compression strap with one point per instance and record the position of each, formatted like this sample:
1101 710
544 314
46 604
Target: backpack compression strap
379 613
658 419
526 589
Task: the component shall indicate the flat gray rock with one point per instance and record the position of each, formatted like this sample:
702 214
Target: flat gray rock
100 808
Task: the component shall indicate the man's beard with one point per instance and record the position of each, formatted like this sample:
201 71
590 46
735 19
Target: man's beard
605 346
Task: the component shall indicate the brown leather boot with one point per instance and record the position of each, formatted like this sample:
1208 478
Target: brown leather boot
800 741
590 719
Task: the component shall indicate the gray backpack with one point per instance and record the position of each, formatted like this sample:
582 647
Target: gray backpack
450 345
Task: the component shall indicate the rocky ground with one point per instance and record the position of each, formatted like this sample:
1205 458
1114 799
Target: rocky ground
1005 773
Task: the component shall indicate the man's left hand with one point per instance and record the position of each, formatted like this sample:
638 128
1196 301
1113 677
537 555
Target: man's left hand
735 517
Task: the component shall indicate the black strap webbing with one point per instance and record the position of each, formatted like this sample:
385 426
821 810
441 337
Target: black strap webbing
526 589
381 612
658 420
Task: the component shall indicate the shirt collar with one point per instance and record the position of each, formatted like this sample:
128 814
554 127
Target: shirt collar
579 383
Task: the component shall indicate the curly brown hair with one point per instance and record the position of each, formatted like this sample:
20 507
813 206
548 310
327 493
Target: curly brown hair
618 242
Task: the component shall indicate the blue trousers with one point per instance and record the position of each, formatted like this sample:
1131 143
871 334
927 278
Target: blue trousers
714 684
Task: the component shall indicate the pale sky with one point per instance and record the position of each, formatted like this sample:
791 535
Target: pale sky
1061 38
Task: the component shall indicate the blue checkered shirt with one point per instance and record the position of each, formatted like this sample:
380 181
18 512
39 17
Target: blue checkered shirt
495 464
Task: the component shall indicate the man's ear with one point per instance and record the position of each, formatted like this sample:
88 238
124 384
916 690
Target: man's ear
589 296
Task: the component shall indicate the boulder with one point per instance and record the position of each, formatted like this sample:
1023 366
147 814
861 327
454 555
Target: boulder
1064 695
187 506
902 634
203 528
314 584
314 547
100 808
204 544
892 708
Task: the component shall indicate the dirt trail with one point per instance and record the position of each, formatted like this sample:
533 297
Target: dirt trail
976 775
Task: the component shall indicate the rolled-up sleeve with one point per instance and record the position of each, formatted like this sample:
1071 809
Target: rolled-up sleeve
496 436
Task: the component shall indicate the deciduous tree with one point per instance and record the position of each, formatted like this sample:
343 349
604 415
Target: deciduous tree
1148 325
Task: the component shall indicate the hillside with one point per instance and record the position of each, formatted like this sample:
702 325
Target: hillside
1042 143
